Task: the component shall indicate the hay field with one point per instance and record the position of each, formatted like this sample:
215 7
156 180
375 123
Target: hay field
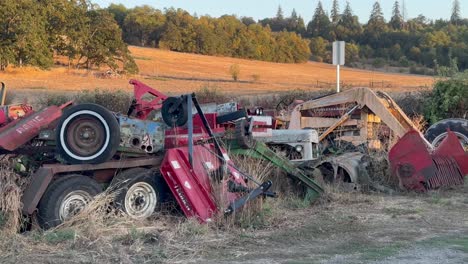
173 73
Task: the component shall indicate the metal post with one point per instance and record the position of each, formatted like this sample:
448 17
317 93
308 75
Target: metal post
338 78
190 128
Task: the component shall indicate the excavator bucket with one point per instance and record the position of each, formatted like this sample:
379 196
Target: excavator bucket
420 170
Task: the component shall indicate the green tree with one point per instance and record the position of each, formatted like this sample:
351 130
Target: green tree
396 22
104 45
335 12
348 28
143 26
352 53
319 49
24 37
455 18
320 24
120 13
376 20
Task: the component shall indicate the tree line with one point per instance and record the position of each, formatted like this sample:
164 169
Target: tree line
33 31
177 30
400 41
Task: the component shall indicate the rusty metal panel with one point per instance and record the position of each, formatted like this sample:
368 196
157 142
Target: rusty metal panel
19 133
36 188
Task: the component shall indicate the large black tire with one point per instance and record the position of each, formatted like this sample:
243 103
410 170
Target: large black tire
65 197
140 192
87 134
437 132
177 116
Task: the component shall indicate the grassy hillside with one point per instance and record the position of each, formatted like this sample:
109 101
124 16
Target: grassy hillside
173 73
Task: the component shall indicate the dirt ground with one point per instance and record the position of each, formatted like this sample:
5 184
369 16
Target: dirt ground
342 228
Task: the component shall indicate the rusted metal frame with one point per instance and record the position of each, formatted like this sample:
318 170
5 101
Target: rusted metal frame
343 119
44 175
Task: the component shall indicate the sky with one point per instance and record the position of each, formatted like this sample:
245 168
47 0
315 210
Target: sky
259 9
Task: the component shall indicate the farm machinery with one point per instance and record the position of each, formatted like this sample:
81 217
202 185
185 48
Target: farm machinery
362 117
74 152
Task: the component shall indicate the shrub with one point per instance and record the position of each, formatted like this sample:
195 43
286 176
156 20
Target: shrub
256 77
378 63
211 94
404 62
449 99
114 100
234 70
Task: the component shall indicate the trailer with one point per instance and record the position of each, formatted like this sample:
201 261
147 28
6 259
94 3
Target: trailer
79 151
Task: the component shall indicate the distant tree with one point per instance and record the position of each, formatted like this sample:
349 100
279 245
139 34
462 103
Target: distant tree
375 27
455 18
319 49
280 14
376 17
104 45
143 26
248 21
295 23
396 22
348 28
352 53
119 11
335 12
320 24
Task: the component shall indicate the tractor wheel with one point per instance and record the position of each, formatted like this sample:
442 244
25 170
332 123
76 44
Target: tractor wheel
243 135
65 197
140 192
87 134
177 116
437 132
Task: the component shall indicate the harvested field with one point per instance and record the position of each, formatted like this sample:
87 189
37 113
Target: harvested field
173 72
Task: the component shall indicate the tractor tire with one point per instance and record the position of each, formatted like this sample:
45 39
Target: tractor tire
87 134
65 197
140 192
437 132
243 136
174 117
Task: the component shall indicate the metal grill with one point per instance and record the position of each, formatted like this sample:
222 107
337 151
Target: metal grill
448 173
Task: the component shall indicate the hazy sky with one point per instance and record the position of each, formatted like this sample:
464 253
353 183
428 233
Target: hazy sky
258 9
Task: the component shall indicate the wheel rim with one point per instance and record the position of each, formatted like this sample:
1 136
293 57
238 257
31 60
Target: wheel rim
462 138
73 203
84 135
140 200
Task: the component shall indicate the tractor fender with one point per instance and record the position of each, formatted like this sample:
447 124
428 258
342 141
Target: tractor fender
347 168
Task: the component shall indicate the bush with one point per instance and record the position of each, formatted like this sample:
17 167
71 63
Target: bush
449 99
235 71
114 100
211 94
379 63
256 77
404 62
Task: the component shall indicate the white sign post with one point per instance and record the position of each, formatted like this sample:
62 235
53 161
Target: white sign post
338 60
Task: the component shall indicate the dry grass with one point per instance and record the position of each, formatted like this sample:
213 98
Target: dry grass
176 73
11 185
